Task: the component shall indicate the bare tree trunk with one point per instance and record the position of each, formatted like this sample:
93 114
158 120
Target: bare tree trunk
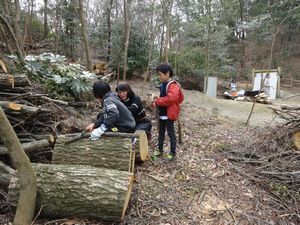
10 31
152 39
118 73
168 26
46 30
109 8
242 40
25 173
162 43
57 24
85 36
4 35
207 64
127 25
17 26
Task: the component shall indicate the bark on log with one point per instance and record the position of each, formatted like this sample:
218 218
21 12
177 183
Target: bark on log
107 152
79 191
28 147
141 145
11 81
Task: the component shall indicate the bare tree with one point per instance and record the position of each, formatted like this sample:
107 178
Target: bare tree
84 36
169 7
208 6
46 30
25 173
13 37
17 26
153 30
127 25
108 10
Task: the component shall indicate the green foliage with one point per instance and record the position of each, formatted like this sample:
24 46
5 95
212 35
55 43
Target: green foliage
62 80
37 28
137 51
69 37
191 62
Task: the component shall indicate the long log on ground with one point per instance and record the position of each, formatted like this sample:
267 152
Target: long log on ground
11 81
28 147
11 107
79 191
107 152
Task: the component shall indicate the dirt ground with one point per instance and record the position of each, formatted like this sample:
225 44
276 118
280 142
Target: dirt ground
200 186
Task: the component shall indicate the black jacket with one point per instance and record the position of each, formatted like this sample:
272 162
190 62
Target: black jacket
135 106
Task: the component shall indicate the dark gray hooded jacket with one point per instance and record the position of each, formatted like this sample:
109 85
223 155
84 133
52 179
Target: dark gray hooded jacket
115 114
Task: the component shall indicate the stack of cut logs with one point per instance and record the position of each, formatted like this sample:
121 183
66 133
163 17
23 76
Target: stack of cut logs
85 178
103 71
88 178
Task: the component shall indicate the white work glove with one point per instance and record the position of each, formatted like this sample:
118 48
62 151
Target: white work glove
97 133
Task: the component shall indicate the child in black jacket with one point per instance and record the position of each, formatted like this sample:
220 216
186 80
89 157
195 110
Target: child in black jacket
134 104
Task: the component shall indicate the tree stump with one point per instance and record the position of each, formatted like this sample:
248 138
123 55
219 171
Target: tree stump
79 191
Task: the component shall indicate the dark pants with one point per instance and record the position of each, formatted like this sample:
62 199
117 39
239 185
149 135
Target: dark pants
169 124
146 125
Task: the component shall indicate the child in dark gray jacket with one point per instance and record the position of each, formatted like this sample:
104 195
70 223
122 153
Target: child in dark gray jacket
116 116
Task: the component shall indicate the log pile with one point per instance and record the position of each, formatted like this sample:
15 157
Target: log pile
85 178
103 71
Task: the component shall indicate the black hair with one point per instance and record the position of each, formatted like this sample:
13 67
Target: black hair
164 68
125 87
100 88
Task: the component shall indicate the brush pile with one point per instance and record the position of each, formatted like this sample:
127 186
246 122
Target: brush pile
271 160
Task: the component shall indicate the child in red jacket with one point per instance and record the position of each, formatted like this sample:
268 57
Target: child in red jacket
168 104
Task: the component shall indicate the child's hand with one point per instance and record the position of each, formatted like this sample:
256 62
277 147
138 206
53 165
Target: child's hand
90 127
153 104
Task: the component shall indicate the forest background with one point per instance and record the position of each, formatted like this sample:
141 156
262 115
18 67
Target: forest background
223 38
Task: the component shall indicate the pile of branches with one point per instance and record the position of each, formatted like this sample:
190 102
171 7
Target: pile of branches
271 160
35 115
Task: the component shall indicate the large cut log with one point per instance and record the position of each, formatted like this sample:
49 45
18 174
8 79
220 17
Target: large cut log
79 191
140 146
11 81
107 152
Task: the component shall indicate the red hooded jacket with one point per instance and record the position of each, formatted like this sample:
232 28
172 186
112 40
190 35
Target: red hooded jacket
172 100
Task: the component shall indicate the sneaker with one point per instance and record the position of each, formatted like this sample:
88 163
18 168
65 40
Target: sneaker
156 154
170 156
